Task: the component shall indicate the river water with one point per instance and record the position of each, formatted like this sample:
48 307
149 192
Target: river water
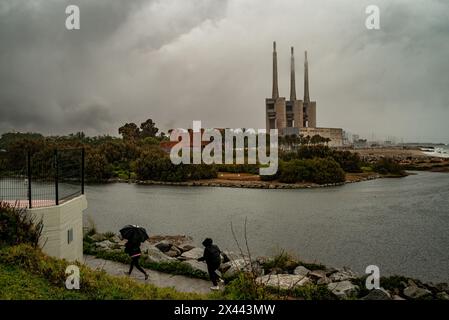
400 225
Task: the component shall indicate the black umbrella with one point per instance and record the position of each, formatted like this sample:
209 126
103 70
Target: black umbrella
134 233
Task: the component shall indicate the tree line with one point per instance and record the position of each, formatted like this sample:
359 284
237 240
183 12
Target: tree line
137 155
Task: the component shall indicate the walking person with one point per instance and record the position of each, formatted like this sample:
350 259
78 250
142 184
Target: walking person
135 236
133 250
213 260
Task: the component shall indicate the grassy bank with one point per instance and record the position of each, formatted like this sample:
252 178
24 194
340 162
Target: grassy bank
27 273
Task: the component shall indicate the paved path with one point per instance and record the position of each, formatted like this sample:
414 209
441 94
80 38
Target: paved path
159 279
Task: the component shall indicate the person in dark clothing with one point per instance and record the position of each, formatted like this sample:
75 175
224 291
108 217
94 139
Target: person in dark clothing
133 250
212 256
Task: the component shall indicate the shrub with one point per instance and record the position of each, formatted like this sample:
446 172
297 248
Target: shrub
326 171
97 167
283 261
294 171
312 170
151 166
18 226
348 161
388 166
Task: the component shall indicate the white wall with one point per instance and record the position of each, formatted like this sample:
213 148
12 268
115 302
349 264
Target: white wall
58 220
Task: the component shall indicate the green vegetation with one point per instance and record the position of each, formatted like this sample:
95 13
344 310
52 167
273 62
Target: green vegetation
27 273
17 284
388 166
287 262
157 166
317 170
17 226
348 161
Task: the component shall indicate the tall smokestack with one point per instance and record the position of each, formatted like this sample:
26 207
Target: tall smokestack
292 77
306 79
275 73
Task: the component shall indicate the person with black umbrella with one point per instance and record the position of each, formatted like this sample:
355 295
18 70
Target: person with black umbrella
135 236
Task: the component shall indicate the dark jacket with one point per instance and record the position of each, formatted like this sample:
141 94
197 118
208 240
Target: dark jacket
211 255
132 249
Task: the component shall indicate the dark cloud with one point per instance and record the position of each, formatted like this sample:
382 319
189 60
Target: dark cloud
182 60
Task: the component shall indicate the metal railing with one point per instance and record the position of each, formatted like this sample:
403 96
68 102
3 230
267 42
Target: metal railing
42 178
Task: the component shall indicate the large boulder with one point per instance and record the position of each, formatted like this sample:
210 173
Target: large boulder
377 294
233 267
283 281
176 240
104 245
187 246
154 255
318 274
230 256
97 237
415 292
164 245
343 275
173 252
116 239
342 289
192 254
196 265
442 296
301 271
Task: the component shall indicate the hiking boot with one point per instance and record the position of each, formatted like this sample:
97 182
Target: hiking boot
215 288
146 276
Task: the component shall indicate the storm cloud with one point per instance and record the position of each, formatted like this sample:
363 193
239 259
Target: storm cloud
181 60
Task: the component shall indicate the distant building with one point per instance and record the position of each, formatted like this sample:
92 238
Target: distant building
293 116
360 144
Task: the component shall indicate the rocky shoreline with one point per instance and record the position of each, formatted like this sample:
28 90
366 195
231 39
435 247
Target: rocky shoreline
342 283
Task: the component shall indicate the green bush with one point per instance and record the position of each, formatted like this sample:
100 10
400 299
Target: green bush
348 161
326 171
283 261
18 226
389 167
315 170
151 166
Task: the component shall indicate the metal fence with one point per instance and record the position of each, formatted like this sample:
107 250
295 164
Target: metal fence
40 179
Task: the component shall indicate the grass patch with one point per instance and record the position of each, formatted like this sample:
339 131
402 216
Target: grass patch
44 278
17 284
283 261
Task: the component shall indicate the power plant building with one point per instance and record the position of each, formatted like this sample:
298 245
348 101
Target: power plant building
293 116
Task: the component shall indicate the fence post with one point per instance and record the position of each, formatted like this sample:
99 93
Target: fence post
82 170
56 164
30 203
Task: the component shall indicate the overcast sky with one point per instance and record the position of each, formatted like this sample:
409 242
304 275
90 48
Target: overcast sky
176 61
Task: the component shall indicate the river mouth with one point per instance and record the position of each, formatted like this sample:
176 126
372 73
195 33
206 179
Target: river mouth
400 225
